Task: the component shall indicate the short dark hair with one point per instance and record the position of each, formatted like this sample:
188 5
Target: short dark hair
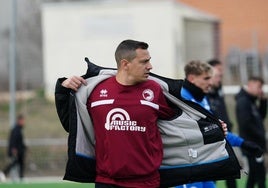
214 62
127 50
20 117
256 78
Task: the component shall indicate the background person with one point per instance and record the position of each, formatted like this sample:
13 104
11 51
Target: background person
215 94
195 88
218 106
217 102
251 108
16 147
196 85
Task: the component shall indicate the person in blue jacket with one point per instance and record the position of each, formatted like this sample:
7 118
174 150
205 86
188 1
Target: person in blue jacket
195 87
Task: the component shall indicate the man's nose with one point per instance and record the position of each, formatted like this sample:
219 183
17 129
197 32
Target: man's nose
210 82
149 66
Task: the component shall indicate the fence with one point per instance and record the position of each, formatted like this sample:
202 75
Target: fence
44 157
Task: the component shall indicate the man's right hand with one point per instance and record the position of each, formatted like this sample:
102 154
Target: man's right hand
252 148
74 82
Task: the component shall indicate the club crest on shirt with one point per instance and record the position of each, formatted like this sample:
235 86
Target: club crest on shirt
148 94
103 93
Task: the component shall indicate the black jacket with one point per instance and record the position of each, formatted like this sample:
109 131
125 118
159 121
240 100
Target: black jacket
16 140
218 106
82 169
250 118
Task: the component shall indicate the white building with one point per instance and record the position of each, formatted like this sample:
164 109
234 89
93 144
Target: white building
175 33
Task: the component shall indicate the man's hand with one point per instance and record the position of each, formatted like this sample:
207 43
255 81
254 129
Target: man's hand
224 127
252 148
74 82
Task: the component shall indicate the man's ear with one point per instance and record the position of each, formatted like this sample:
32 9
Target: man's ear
191 78
124 64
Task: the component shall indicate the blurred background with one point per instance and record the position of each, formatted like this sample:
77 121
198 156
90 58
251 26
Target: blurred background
42 40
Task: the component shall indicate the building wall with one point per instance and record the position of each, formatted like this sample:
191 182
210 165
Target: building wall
200 41
72 31
243 22
28 43
5 17
75 30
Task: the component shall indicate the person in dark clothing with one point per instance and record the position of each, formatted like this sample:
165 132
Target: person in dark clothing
16 147
217 102
216 96
218 106
251 108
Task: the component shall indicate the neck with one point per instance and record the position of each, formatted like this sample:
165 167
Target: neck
124 79
196 92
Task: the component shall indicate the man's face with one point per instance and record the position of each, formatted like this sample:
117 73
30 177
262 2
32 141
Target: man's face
21 122
255 88
217 76
202 81
139 68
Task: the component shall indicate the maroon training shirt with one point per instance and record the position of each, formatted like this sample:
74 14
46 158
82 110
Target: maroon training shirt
128 143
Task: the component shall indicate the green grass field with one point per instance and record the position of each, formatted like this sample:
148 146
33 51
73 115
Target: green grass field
63 184
46 185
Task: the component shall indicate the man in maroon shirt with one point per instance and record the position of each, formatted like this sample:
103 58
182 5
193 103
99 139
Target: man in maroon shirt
124 110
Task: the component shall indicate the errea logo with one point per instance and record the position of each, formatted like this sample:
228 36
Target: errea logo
103 93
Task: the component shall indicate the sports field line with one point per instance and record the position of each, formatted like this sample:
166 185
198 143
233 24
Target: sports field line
44 179
43 182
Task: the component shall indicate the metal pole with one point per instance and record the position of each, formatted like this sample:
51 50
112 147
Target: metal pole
12 63
256 65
